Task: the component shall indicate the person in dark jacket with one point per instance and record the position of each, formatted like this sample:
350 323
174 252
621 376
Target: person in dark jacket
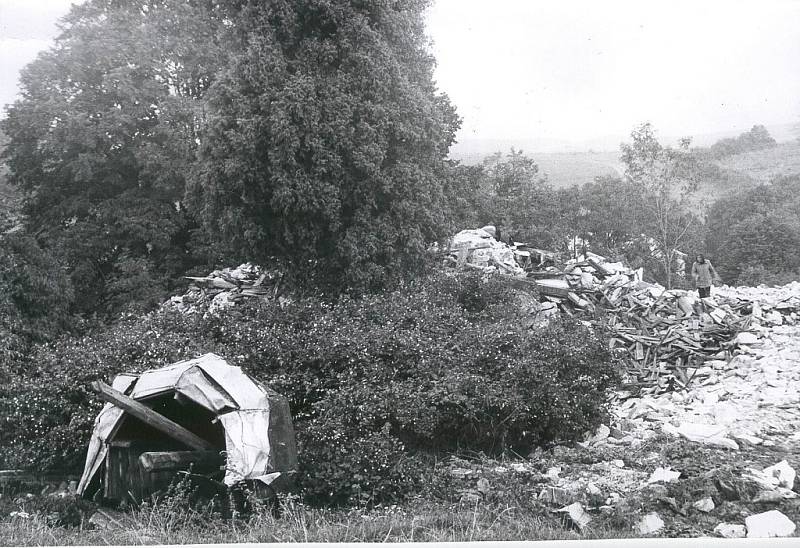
704 275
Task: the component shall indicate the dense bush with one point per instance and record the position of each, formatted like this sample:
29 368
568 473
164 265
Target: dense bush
35 296
441 364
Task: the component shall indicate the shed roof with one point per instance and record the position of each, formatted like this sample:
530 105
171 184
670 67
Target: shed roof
241 404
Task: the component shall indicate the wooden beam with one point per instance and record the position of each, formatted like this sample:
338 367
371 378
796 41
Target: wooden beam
159 461
148 416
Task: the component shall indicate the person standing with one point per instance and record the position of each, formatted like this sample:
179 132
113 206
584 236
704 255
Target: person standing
704 275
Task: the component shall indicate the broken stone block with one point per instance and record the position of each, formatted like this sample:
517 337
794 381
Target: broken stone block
749 438
784 473
552 473
707 434
664 475
769 524
704 505
577 514
599 435
746 338
649 524
730 530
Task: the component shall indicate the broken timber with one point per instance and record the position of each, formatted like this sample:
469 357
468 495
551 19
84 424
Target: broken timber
160 461
148 416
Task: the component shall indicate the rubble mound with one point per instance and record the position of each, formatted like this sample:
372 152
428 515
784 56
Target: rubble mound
224 288
479 249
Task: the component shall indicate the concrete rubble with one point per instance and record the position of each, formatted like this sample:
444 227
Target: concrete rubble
731 530
769 524
577 514
479 249
223 289
649 524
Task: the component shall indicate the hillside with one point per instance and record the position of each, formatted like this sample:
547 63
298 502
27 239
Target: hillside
566 169
764 165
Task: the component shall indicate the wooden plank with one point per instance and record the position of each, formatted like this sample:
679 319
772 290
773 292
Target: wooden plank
148 416
158 461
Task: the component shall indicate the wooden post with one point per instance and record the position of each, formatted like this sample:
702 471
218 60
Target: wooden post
148 416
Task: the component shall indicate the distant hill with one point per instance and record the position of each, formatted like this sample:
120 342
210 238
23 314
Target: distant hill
764 165
566 169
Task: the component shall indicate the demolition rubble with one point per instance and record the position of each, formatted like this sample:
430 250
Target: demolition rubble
222 289
722 371
664 337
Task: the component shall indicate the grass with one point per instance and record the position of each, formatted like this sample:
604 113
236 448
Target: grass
765 165
422 522
509 511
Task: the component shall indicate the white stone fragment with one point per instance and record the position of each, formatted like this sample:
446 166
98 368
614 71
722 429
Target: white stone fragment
577 514
784 473
769 524
649 524
746 337
707 434
704 505
663 475
731 530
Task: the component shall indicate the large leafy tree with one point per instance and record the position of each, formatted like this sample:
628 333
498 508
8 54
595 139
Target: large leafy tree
327 141
758 231
103 137
664 179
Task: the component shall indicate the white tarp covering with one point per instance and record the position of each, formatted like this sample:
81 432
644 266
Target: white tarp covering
247 446
242 407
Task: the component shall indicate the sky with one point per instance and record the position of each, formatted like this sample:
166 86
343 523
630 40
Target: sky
570 70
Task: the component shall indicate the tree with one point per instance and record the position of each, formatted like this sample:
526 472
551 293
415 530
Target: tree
515 197
757 138
602 214
757 230
665 179
103 138
35 296
327 142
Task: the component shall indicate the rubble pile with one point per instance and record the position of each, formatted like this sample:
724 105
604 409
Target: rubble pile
663 336
480 250
224 288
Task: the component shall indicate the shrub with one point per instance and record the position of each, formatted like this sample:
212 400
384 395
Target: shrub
443 363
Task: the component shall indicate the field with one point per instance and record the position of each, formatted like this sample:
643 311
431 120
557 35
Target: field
764 165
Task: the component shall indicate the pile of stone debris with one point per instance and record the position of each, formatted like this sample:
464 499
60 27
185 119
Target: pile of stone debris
224 288
665 337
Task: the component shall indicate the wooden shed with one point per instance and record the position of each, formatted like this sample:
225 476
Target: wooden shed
201 413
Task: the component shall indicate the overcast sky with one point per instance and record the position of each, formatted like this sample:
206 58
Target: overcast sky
573 70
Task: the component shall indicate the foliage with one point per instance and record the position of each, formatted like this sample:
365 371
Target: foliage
665 179
757 232
758 138
103 137
46 407
35 296
327 142
438 364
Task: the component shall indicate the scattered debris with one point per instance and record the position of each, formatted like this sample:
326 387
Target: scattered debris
664 475
704 505
783 474
707 434
769 524
731 530
649 524
479 249
225 288
577 514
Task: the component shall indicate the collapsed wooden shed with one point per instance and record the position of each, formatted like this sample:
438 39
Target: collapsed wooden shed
202 413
